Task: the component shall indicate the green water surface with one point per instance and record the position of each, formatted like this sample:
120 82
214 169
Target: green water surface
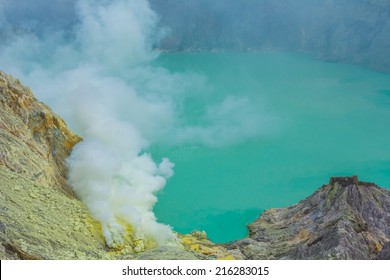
323 119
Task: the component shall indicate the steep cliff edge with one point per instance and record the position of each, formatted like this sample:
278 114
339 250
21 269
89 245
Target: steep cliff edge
40 217
34 141
345 219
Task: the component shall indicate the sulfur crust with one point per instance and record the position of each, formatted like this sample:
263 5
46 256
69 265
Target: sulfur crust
40 217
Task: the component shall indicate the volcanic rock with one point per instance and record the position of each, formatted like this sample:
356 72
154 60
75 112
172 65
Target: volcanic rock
40 217
34 142
345 219
385 253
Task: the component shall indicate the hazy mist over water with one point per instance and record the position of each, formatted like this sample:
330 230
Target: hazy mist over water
328 120
243 131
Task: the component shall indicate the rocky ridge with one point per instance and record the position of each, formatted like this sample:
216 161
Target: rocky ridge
345 219
33 136
40 217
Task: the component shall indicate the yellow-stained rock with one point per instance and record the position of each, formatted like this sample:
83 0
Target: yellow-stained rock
34 141
40 217
228 257
198 242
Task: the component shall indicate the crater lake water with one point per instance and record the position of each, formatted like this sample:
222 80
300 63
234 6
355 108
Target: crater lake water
320 120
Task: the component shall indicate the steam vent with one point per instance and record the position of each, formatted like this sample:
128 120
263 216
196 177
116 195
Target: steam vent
40 218
195 129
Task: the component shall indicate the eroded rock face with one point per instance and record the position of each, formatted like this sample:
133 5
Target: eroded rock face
40 217
345 219
34 142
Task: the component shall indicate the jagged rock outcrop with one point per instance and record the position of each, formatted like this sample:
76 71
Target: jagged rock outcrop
34 141
40 217
345 219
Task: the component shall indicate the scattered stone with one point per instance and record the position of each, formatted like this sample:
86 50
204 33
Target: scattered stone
33 195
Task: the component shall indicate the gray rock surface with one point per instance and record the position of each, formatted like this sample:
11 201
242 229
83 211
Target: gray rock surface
385 253
345 219
41 219
169 253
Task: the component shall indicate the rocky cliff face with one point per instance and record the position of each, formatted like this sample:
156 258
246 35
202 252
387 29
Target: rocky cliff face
356 32
34 141
40 217
345 219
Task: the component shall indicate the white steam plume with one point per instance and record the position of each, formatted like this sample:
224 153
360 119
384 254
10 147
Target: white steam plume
108 170
93 67
113 177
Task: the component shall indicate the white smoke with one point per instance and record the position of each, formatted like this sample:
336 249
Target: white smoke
96 73
111 174
109 170
232 120
117 35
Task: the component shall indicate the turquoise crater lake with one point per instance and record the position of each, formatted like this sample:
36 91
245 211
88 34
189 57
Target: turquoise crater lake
320 120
